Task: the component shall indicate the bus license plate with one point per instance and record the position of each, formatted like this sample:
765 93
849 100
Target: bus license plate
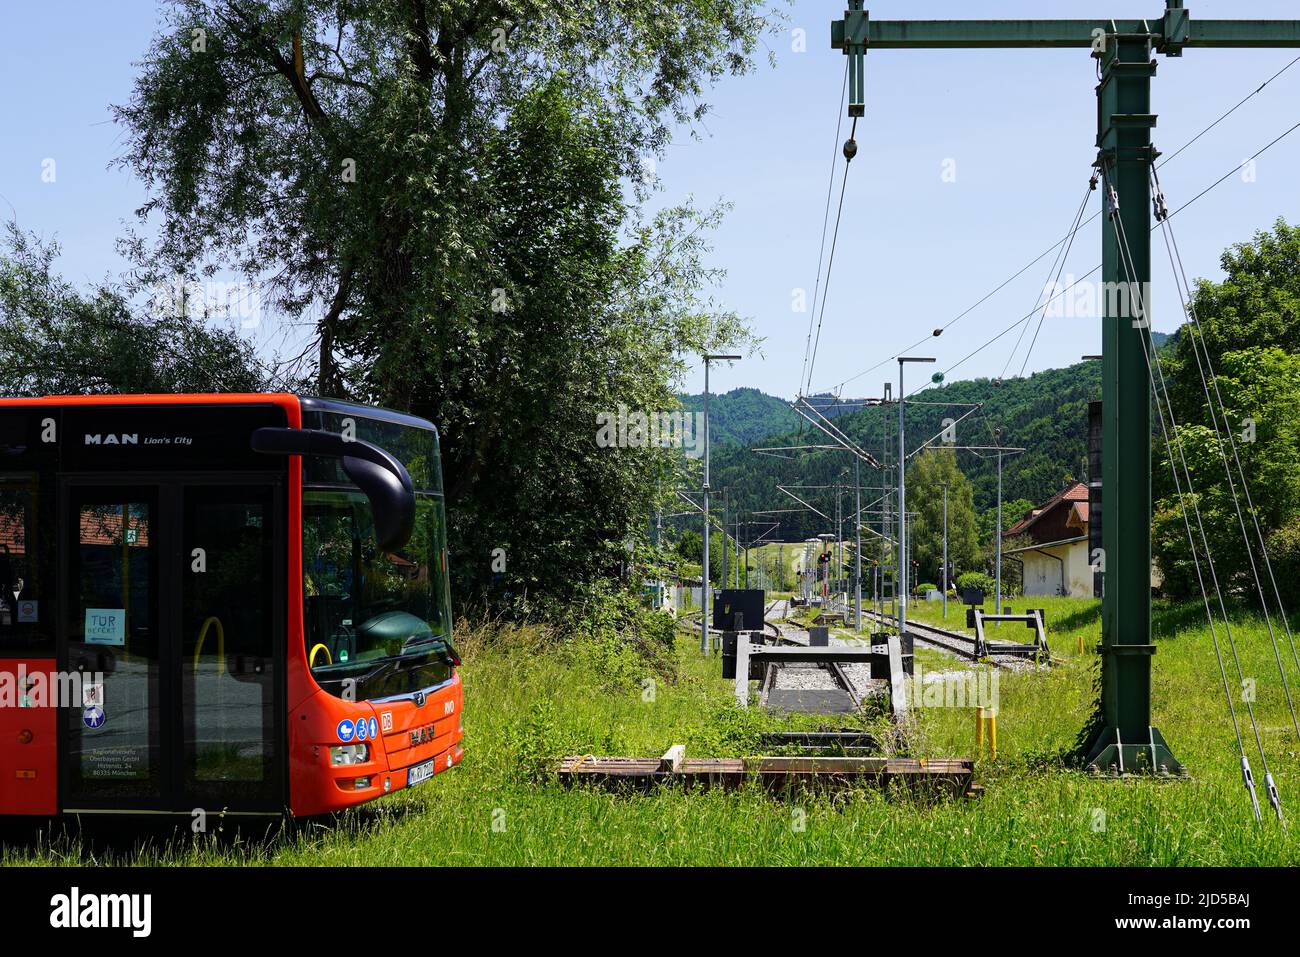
418 773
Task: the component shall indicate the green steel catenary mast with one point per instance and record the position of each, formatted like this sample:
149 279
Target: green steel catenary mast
1125 739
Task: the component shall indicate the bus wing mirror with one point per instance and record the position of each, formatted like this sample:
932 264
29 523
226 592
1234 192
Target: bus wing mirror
384 480
392 502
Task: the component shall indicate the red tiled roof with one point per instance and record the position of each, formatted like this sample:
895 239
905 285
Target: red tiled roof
97 528
105 528
13 535
1073 493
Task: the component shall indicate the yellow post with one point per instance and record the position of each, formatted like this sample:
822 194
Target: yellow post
993 733
979 731
1080 642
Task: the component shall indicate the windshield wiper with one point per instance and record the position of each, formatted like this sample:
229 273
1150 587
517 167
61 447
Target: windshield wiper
447 647
385 665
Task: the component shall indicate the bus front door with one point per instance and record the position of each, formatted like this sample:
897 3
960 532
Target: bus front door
174 615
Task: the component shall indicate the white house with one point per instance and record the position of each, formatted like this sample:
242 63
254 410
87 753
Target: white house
1056 561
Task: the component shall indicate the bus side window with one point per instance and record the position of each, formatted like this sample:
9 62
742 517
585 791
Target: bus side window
24 550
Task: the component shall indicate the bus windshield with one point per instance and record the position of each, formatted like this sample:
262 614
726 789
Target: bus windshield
376 622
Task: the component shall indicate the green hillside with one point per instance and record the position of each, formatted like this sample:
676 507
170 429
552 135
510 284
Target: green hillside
1047 413
742 416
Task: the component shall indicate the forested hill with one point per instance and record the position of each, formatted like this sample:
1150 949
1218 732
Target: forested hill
743 416
1046 413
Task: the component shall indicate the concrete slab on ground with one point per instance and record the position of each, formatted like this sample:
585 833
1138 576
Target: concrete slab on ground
809 701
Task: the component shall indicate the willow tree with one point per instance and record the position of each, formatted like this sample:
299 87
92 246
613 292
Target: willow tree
450 197
58 339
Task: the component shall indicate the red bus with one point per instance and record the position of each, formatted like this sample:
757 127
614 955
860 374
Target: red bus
233 603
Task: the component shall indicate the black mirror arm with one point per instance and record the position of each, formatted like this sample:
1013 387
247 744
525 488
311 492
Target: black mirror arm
282 441
376 471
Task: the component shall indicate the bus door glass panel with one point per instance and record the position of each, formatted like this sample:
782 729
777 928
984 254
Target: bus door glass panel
113 740
228 629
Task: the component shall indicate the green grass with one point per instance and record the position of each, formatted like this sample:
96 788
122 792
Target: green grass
766 555
527 701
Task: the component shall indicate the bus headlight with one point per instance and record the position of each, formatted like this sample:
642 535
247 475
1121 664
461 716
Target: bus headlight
349 754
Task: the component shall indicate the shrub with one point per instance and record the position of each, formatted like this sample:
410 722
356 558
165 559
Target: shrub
1284 551
624 637
983 582
729 731
533 741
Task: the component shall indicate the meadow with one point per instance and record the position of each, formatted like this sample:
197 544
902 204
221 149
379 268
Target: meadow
532 697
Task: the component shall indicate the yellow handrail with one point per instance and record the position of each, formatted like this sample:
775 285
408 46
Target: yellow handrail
311 658
221 642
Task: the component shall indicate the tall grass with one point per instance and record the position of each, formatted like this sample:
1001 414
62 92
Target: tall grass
532 695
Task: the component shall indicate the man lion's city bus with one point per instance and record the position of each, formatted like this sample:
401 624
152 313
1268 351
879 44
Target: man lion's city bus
244 596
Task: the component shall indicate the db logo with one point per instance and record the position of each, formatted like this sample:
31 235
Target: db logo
386 720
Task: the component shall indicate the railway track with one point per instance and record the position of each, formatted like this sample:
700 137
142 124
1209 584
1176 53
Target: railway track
839 675
837 672
941 639
950 641
953 642
842 679
767 622
932 636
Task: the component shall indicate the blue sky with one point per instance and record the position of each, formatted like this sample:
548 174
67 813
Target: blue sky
914 251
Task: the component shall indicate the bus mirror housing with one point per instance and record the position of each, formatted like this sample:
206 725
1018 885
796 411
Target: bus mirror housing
384 480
